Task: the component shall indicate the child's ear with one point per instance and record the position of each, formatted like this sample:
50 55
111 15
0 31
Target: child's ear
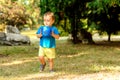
53 21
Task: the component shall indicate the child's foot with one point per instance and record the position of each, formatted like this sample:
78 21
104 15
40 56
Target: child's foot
42 67
52 71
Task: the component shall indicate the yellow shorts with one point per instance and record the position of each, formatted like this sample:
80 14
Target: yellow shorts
47 52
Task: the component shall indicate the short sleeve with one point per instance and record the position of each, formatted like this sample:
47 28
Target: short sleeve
55 30
39 30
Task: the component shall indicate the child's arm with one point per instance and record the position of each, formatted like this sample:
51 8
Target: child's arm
39 35
56 36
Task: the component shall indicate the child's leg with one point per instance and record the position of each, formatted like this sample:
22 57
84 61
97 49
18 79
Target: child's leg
43 63
42 60
51 63
41 55
50 54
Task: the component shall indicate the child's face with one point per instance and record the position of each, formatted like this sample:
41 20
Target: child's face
48 21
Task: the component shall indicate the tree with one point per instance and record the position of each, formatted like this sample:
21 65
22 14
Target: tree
105 14
12 13
19 12
32 9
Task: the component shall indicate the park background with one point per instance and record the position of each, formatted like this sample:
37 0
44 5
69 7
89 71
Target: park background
94 56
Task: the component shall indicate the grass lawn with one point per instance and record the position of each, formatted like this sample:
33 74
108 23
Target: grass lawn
73 62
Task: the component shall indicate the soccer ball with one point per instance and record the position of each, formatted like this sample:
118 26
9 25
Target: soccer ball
46 31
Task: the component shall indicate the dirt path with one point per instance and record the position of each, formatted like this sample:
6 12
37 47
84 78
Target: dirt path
57 76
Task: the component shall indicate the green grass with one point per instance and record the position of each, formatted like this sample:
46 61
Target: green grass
17 62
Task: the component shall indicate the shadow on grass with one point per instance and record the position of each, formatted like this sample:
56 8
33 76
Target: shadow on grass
106 43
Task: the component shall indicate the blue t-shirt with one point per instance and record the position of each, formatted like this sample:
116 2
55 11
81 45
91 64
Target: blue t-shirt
48 41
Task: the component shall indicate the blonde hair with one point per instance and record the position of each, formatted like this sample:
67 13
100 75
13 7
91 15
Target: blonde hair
51 14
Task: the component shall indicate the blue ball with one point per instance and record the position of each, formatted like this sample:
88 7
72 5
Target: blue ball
46 31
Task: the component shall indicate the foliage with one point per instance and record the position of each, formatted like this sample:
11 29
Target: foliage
20 13
101 13
12 13
105 15
73 10
33 11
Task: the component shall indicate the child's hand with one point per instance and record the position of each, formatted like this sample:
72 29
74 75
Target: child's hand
52 34
55 35
39 35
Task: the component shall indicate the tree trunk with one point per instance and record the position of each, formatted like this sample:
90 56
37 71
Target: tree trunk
109 36
85 37
74 28
65 21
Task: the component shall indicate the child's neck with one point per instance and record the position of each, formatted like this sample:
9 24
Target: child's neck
49 26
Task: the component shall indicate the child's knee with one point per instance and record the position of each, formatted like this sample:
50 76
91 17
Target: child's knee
50 60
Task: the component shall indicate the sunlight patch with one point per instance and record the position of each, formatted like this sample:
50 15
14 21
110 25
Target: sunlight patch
118 49
18 62
105 68
73 55
39 76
